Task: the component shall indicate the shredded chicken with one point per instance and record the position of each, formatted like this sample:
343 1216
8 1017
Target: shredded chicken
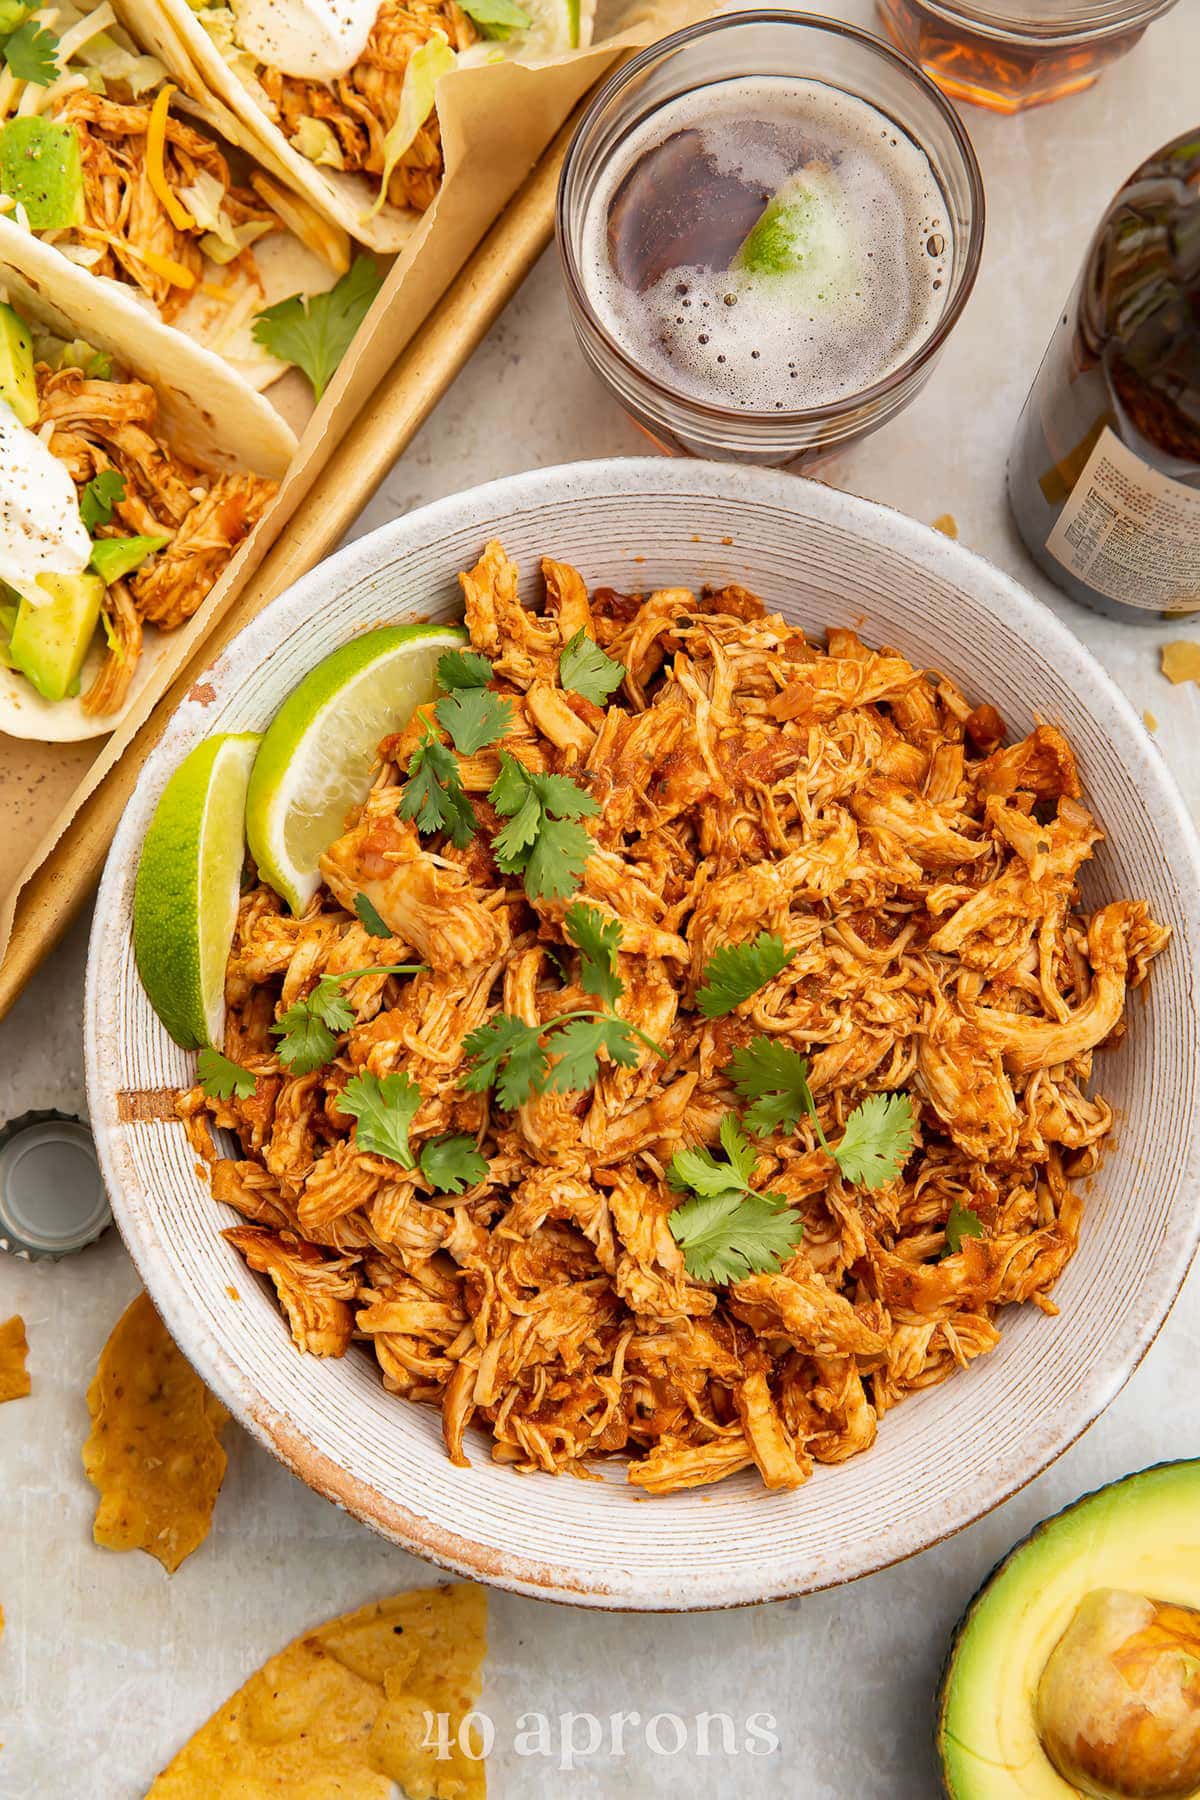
360 107
748 779
110 423
123 216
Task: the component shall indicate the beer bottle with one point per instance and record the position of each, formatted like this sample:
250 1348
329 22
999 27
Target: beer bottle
1104 474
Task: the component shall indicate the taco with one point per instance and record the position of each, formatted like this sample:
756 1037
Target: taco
127 485
339 95
99 161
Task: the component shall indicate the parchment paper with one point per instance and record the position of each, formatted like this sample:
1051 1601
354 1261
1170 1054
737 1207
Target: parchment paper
496 120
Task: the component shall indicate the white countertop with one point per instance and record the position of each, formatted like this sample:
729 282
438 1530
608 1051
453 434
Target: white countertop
106 1664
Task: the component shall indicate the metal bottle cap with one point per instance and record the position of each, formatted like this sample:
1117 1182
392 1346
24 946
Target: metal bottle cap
52 1199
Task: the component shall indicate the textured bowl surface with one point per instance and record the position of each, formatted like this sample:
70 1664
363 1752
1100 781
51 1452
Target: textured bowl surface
942 1458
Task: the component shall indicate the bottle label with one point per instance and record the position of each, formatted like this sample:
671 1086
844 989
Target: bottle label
1131 532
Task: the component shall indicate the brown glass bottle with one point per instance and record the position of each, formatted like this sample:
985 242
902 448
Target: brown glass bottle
1104 475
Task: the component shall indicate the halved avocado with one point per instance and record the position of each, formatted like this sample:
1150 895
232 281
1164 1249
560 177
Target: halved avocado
1139 1537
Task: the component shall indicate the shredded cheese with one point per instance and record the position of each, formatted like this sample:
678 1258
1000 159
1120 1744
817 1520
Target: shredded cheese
43 99
156 139
216 291
168 268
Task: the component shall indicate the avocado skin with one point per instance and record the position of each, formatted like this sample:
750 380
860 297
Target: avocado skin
960 1631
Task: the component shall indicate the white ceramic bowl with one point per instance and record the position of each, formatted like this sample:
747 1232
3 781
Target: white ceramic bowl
942 1458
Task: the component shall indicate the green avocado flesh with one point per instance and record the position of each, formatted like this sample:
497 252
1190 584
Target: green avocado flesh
41 168
49 642
1141 1535
18 384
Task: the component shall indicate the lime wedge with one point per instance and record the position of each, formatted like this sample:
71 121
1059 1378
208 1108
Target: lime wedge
316 758
800 231
186 898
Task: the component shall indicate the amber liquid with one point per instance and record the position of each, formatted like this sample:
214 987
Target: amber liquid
1125 355
1006 77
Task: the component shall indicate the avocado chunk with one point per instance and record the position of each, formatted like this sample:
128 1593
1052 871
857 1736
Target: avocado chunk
41 169
50 641
18 384
1076 1668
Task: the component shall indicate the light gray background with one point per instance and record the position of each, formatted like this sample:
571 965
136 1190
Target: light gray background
106 1665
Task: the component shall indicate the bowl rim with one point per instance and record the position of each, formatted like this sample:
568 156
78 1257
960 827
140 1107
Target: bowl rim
645 479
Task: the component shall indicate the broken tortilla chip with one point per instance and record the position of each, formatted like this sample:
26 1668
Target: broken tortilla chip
14 1348
1180 660
350 1708
154 1450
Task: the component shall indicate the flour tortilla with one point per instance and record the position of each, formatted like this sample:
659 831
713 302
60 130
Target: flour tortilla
206 413
173 33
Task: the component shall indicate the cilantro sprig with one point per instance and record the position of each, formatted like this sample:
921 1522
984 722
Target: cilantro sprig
434 795
878 1136
472 714
962 1222
543 841
515 1058
452 1163
31 53
315 331
727 1229
308 1030
585 669
384 1106
99 497
735 971
222 1078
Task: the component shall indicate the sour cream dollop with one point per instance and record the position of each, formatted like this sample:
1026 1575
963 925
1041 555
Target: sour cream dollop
41 532
317 38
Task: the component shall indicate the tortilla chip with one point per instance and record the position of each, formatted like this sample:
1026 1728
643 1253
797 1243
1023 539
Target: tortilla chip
154 1451
341 1713
1180 660
14 1348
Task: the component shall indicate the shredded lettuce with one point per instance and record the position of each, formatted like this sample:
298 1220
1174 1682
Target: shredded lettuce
111 64
227 243
317 142
426 67
219 23
56 353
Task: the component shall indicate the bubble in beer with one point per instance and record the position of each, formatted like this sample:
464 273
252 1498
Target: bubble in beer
840 282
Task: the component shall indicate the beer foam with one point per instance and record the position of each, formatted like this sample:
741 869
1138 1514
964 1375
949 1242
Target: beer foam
783 342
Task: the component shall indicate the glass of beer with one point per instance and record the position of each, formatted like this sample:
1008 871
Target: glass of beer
1009 54
768 225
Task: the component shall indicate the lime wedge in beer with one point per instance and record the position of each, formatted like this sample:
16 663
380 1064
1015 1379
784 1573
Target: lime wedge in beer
186 897
316 758
800 232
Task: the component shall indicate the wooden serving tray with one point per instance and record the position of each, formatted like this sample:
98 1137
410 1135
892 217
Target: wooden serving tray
53 897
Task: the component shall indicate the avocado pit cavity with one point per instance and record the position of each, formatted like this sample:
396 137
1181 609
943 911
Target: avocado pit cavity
1118 1704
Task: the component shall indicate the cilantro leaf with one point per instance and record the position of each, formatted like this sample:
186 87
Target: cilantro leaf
384 1107
474 717
308 1030
775 1078
597 940
222 1078
585 669
576 1045
115 557
729 1235
962 1223
542 841
99 497
434 794
370 918
452 1163
697 1168
316 332
557 860
463 669
735 971
32 54
877 1141
506 1054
